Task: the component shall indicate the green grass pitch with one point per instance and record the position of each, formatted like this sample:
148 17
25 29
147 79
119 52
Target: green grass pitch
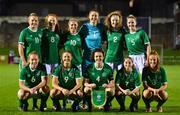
9 86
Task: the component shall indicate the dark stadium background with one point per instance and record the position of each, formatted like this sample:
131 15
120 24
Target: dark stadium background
159 18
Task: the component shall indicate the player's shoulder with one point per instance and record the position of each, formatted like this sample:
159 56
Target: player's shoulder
74 67
121 70
40 30
90 66
135 71
58 67
162 68
84 25
25 30
107 66
25 69
140 30
146 68
41 67
45 30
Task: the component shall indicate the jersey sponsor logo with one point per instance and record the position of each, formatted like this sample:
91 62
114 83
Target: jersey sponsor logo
78 39
28 75
40 35
93 73
57 36
104 74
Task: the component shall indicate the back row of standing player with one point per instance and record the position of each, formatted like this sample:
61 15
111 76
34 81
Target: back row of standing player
91 35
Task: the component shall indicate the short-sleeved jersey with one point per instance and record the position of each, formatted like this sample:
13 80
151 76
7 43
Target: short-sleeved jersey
136 42
50 47
32 78
99 77
154 79
73 44
31 41
128 81
67 77
115 46
92 38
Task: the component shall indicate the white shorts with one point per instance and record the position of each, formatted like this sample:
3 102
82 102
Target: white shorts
50 68
115 66
139 61
80 69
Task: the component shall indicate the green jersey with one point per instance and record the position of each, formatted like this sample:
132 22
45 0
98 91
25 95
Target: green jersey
99 76
73 44
128 81
154 79
115 46
31 41
32 77
67 77
50 47
136 42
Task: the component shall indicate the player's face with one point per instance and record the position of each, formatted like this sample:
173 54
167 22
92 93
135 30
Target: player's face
73 25
114 21
131 23
33 60
98 57
52 21
33 22
153 60
66 59
128 64
93 17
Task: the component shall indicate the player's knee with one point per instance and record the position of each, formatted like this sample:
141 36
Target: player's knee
87 90
117 93
147 94
21 94
137 93
45 89
163 94
53 92
80 93
110 91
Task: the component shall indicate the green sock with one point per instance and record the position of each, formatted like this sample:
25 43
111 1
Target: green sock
121 100
161 102
21 102
147 101
135 100
55 101
109 99
44 98
35 102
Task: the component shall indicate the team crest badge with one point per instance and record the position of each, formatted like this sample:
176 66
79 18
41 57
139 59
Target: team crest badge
98 97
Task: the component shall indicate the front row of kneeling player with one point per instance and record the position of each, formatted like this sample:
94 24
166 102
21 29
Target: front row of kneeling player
66 83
